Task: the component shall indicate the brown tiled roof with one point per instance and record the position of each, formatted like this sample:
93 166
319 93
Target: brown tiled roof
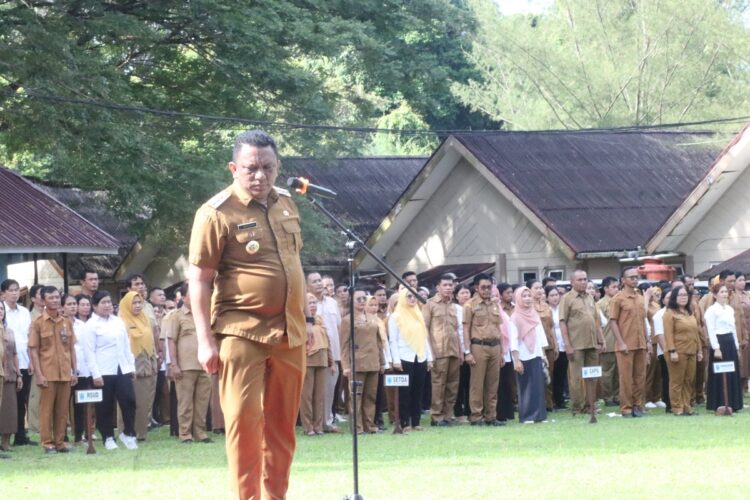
34 221
598 191
738 263
367 187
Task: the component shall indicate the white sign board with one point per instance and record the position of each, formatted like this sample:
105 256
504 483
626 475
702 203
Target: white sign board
724 367
591 371
89 396
397 380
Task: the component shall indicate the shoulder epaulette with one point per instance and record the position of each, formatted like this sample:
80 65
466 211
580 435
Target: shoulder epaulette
283 192
218 199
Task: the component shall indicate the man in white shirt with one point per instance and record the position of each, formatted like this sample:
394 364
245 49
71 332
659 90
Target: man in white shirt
328 310
19 321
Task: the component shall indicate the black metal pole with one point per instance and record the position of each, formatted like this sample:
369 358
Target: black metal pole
65 272
350 247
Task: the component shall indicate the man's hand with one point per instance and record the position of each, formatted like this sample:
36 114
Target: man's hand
699 356
470 360
208 355
621 346
674 357
176 372
41 380
569 351
602 348
348 372
73 380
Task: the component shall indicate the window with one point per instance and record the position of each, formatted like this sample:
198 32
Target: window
527 274
558 274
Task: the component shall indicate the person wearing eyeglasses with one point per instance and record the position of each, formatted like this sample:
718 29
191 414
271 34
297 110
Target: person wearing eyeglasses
369 361
627 317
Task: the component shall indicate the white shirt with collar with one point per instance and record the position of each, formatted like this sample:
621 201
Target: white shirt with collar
82 364
400 350
328 309
107 346
523 352
19 322
719 320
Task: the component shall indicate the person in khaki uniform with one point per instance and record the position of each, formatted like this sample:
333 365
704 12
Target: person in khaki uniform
482 332
193 385
369 360
319 365
51 343
609 383
246 242
441 320
627 317
682 339
581 331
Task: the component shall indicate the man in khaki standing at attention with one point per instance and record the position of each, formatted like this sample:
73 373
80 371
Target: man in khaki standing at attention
441 320
246 242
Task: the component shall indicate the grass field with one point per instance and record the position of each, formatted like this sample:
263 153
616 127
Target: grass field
657 456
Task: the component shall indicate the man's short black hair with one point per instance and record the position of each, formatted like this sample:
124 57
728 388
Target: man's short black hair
256 138
407 274
47 290
88 271
606 282
184 288
7 284
130 279
34 289
626 269
480 277
447 277
725 274
547 279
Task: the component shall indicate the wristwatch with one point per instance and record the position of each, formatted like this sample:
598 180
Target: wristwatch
467 351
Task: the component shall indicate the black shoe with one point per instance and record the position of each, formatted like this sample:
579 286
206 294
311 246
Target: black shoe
4 456
187 441
50 451
496 423
207 440
477 422
445 423
638 414
218 431
434 423
611 404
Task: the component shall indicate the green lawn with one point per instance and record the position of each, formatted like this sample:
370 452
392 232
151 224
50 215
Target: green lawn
659 455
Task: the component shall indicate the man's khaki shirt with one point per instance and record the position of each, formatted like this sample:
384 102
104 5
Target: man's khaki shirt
441 320
628 309
55 341
259 289
578 311
180 328
482 319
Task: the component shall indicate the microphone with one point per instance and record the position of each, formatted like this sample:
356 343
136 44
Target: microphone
303 186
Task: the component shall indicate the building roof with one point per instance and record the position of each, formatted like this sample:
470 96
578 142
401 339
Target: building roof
367 187
35 222
597 191
738 263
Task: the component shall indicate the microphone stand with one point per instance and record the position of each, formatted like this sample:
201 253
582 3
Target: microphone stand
352 244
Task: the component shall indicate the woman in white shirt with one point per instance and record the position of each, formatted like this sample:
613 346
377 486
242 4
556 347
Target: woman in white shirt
70 310
410 352
527 340
560 371
722 335
461 409
507 383
107 350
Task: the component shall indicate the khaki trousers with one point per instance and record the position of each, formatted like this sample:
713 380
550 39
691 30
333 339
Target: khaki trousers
576 384
145 389
260 392
653 378
483 382
54 407
444 378
312 411
681 381
609 383
217 416
367 392
632 370
33 408
193 395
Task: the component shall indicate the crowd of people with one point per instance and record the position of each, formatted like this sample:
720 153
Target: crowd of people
474 354
478 354
141 351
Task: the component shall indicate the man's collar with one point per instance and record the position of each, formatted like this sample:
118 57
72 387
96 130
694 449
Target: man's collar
245 197
47 316
7 306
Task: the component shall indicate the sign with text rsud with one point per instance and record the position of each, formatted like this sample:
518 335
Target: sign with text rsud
397 380
89 396
724 367
591 371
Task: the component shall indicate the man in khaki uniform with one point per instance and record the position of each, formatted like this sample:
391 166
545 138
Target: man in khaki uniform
192 383
627 317
482 332
51 343
246 242
441 320
609 383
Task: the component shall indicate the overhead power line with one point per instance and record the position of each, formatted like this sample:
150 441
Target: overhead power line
32 94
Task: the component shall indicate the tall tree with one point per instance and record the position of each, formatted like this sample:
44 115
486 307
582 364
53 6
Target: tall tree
597 63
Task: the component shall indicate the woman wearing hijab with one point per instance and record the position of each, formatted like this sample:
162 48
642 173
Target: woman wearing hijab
12 382
319 361
545 315
141 337
528 341
410 351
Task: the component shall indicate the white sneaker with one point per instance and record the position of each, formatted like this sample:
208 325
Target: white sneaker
340 418
650 405
661 404
129 441
110 444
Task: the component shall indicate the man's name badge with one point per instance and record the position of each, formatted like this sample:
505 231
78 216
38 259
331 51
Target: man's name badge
252 247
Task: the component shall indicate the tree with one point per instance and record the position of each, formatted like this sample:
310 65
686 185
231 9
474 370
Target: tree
292 61
596 63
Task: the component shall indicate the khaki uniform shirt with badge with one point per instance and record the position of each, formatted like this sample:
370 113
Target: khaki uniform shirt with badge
180 328
581 317
482 319
55 341
441 321
609 335
259 289
629 311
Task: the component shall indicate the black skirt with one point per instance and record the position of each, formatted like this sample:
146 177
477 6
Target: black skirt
531 402
715 383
